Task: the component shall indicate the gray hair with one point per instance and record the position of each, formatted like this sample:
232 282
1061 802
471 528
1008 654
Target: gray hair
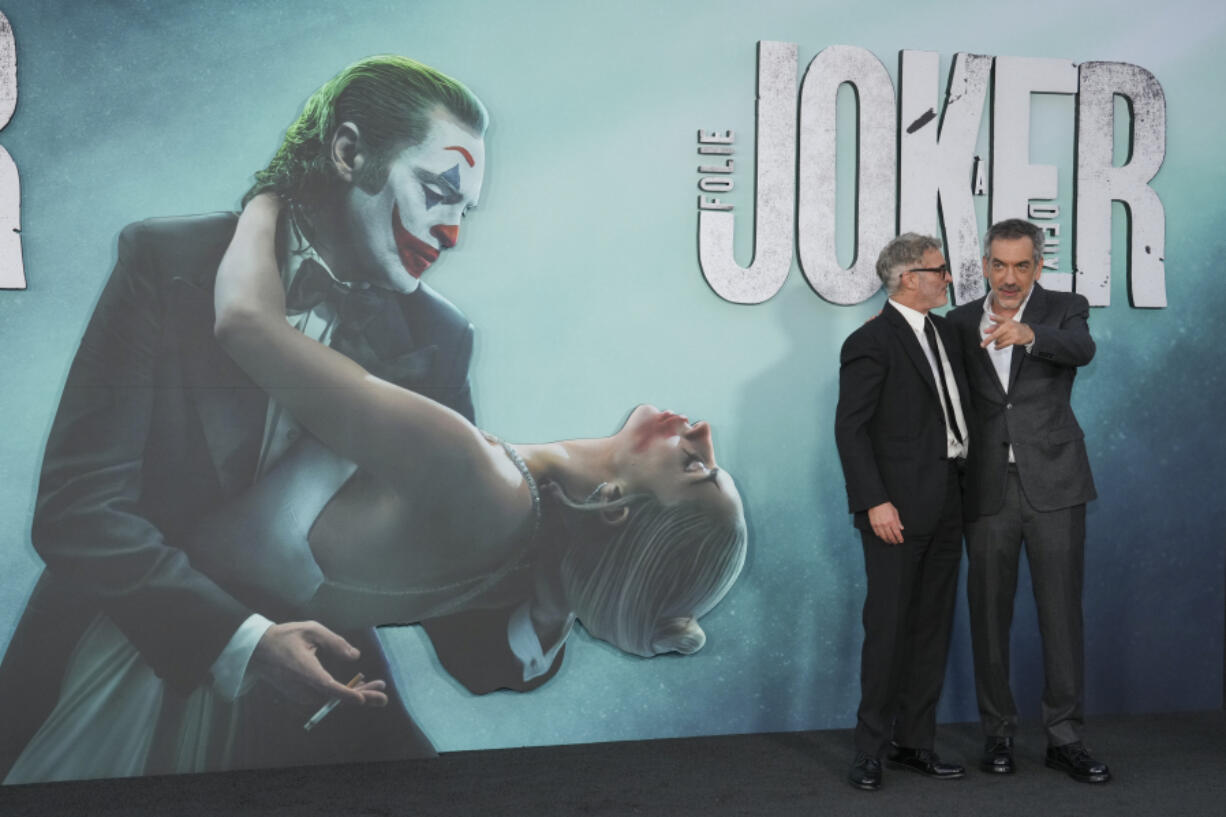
666 565
906 249
1014 228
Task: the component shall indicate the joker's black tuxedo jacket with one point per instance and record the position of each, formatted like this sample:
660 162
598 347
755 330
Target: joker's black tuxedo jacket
889 425
156 427
1035 414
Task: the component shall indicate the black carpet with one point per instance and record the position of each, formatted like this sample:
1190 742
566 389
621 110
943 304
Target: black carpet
1164 765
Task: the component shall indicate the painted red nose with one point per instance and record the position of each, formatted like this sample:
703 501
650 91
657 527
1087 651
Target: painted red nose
446 235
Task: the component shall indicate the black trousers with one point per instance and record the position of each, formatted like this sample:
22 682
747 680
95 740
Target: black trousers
908 613
1055 549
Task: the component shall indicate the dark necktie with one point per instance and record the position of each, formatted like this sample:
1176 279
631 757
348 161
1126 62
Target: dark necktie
930 332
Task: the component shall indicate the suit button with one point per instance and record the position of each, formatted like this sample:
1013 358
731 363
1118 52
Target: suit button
1008 405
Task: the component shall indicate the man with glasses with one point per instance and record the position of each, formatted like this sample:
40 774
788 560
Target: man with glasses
1029 481
901 432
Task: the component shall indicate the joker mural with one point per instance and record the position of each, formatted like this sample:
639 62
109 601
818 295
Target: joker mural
224 524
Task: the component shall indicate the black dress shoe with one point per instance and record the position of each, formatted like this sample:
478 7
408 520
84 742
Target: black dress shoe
865 772
925 761
997 756
1077 761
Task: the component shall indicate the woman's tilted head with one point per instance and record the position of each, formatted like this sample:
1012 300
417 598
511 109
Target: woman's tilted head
657 547
662 454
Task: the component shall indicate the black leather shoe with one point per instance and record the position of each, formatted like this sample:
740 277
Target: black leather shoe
1077 761
925 761
997 756
865 772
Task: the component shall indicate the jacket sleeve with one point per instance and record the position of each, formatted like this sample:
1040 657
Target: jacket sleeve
89 524
1069 343
862 372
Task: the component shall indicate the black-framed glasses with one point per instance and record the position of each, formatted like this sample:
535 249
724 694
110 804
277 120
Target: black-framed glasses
941 270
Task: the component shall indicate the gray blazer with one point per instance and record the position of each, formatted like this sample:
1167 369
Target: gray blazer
1034 414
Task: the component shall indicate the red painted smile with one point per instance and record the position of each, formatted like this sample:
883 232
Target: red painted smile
415 254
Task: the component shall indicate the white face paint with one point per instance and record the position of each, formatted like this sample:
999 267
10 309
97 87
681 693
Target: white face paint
400 230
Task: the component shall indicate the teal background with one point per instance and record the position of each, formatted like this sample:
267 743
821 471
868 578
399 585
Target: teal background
580 272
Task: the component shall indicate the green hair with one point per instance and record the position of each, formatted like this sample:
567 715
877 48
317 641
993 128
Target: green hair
390 99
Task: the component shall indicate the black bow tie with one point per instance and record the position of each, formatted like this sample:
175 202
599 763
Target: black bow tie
369 326
312 285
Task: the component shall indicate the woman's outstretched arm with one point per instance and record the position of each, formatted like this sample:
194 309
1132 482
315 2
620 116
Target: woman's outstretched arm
399 435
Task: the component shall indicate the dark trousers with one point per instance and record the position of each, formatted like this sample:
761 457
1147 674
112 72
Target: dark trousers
908 612
1055 549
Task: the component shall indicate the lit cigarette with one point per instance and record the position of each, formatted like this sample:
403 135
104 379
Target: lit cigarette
332 704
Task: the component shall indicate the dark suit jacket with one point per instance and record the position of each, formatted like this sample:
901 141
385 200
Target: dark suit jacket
156 427
1034 414
889 425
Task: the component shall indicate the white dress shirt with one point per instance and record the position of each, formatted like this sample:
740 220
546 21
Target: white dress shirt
526 644
916 319
1002 359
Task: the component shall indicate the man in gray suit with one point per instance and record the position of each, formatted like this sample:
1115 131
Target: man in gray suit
1028 481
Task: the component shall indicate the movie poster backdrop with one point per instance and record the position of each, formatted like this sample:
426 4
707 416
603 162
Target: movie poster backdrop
682 205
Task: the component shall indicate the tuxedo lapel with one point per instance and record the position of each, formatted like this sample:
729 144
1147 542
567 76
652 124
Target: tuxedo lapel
231 408
985 370
397 357
1015 364
984 360
906 336
1035 313
388 332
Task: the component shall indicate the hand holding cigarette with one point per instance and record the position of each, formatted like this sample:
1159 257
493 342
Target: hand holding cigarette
331 704
288 657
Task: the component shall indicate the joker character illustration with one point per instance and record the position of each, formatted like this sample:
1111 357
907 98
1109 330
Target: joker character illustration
393 507
157 427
